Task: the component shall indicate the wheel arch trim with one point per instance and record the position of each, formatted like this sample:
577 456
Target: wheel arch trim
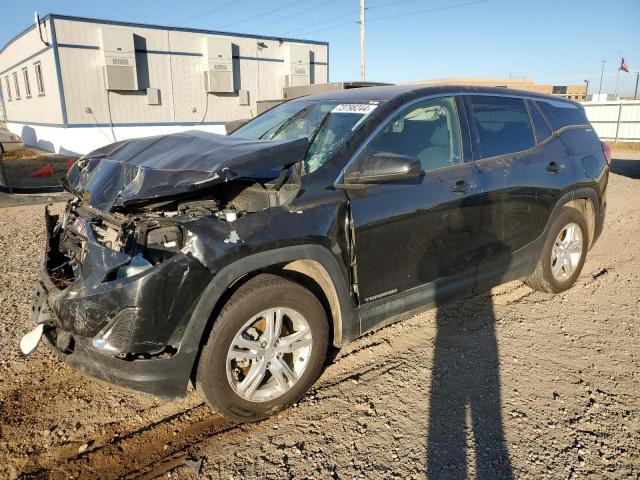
569 197
318 256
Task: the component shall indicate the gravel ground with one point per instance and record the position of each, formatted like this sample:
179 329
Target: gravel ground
513 383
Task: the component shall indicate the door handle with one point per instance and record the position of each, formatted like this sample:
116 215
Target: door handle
461 187
554 167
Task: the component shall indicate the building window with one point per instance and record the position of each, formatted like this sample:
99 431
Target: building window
559 90
7 87
16 85
27 85
39 79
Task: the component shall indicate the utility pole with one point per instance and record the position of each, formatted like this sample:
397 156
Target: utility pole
601 74
362 54
586 92
635 95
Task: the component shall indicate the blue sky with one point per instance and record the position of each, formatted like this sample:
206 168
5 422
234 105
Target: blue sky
560 41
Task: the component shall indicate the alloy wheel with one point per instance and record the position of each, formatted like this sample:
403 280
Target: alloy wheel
269 354
566 252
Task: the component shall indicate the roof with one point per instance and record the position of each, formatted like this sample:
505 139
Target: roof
157 27
386 93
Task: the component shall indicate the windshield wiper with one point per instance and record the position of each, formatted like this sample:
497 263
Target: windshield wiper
284 124
316 131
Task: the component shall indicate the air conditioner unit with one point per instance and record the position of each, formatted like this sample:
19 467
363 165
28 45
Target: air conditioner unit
218 66
118 59
298 66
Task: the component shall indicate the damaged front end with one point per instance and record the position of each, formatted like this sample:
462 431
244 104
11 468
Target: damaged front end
120 281
128 261
115 296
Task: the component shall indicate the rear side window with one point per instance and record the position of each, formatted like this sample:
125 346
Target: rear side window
562 114
540 125
502 123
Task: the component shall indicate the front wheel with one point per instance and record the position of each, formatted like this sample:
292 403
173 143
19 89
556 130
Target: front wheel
266 348
563 254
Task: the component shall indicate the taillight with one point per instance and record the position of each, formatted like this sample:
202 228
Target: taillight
606 149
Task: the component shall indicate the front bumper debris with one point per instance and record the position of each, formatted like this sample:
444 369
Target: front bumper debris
125 331
166 378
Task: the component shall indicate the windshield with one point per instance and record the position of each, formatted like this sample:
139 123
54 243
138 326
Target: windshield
326 124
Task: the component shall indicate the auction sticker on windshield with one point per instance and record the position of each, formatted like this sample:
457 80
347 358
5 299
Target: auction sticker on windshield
361 108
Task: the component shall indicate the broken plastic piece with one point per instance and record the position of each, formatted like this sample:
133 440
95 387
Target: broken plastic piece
29 342
230 215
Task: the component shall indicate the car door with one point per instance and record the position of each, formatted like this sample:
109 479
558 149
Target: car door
416 232
521 176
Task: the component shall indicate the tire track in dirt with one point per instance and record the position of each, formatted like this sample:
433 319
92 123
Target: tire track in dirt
134 452
154 449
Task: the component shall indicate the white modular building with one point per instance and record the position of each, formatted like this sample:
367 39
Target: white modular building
72 84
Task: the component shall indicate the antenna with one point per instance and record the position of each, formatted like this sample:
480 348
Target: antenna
36 19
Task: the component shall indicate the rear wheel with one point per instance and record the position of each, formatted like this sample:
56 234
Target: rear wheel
265 350
563 254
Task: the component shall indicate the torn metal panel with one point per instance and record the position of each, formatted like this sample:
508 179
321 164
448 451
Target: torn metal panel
143 312
143 169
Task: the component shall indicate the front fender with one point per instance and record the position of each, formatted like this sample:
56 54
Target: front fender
348 328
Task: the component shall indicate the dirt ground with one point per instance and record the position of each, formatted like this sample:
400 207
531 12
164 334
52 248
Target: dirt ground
509 384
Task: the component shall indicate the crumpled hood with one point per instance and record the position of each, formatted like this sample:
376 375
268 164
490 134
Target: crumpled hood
138 170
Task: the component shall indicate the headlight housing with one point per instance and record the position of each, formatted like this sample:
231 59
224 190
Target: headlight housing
160 244
163 243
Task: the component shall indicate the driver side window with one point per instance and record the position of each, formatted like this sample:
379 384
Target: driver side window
428 131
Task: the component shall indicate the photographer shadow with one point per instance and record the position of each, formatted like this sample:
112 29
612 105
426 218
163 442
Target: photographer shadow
465 394
465 427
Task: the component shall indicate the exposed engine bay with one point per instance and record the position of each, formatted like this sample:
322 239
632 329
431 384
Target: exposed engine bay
151 233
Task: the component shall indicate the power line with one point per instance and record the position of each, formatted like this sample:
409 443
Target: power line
429 10
369 19
282 19
288 5
315 24
361 21
206 13
354 22
389 4
324 21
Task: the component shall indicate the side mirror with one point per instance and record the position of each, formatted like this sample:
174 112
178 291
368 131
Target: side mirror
385 167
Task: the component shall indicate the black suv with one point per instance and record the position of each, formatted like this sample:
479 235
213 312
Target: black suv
240 261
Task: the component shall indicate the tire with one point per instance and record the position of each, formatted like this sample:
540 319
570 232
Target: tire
219 384
4 180
543 278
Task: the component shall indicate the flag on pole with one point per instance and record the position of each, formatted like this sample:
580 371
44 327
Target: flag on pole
624 66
